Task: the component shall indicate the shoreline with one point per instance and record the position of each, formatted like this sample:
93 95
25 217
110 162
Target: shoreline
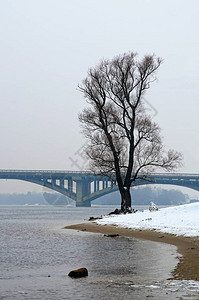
188 265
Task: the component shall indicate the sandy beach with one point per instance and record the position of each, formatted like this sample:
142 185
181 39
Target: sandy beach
188 247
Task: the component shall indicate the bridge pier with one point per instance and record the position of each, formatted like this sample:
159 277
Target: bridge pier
82 189
83 204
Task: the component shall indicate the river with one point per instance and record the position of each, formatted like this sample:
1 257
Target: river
37 254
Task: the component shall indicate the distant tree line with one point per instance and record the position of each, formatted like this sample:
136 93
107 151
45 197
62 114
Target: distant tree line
22 199
142 196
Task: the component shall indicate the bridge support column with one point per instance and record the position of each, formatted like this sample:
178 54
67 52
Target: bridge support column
97 185
70 184
62 183
82 190
103 184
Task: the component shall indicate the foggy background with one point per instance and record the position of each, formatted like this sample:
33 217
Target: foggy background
46 48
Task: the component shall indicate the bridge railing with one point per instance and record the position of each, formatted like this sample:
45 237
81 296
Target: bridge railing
45 171
175 174
92 173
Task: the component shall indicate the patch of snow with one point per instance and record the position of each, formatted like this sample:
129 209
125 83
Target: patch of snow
178 220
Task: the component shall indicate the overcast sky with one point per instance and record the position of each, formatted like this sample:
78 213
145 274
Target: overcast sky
46 48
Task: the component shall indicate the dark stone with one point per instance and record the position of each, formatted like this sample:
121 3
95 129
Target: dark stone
125 211
111 235
115 212
82 272
94 218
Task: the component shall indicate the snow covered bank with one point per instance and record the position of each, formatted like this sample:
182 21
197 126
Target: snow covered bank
179 220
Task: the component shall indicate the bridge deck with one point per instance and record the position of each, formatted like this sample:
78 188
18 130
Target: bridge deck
85 186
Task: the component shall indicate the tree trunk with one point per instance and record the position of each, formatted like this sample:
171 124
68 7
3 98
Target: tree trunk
126 200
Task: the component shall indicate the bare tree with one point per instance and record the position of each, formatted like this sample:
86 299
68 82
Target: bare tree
124 142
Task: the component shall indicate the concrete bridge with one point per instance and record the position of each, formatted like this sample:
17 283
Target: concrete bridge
84 187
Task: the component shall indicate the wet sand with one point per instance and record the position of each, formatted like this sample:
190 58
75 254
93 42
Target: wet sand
188 266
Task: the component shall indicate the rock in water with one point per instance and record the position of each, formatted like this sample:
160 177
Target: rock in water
82 272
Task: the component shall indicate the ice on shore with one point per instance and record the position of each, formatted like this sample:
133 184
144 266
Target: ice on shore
178 220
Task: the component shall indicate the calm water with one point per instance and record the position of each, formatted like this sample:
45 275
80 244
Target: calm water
36 255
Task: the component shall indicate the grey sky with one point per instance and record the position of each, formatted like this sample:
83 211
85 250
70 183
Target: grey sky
46 48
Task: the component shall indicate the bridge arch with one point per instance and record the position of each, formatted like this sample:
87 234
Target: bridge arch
84 187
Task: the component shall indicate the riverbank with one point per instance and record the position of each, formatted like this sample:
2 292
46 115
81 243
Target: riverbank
188 247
